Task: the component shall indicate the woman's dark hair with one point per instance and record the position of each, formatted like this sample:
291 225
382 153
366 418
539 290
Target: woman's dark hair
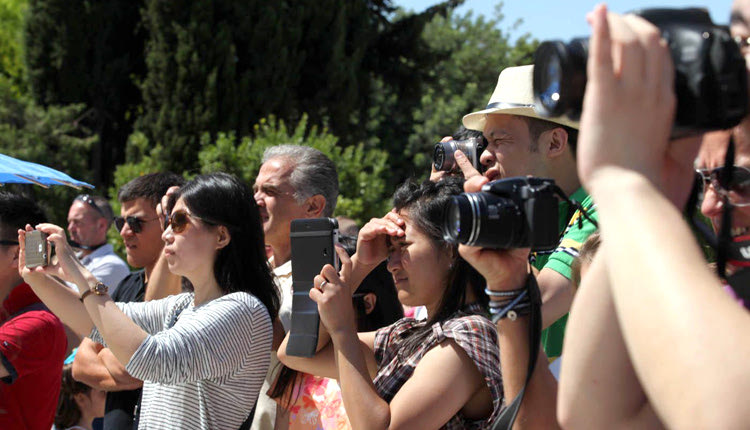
223 199
68 414
425 204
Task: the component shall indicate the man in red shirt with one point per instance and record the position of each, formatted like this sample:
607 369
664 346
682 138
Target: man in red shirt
32 339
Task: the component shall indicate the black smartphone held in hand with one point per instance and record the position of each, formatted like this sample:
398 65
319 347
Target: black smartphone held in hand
313 246
37 249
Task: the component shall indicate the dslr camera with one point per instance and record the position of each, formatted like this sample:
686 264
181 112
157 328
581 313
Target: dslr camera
516 212
443 155
710 74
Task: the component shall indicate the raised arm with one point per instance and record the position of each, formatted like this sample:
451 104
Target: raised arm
626 161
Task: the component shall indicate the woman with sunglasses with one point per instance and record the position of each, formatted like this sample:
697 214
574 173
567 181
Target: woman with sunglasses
203 355
442 372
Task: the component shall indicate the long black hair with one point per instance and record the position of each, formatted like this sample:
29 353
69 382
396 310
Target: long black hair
425 204
223 199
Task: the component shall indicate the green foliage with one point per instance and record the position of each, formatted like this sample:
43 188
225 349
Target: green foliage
12 68
89 52
49 136
363 193
474 51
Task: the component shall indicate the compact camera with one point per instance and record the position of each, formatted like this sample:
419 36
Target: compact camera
509 213
37 249
443 157
710 74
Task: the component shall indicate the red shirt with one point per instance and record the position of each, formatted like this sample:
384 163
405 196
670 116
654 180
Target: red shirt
32 348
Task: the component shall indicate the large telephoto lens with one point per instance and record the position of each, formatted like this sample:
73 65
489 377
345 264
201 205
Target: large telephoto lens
560 78
484 219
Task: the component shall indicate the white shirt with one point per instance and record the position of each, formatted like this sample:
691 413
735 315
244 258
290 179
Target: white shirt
284 284
106 266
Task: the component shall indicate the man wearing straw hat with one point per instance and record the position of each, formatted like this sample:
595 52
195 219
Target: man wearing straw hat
522 143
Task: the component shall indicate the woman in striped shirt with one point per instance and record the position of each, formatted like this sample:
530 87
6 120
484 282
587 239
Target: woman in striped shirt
203 355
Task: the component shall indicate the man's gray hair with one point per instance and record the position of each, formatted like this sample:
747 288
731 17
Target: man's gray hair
313 173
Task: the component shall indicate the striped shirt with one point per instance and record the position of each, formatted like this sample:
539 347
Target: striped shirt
202 366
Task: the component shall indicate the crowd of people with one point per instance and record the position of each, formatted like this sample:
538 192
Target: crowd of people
416 331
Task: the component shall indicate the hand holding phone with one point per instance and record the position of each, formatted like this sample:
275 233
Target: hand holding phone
313 246
37 249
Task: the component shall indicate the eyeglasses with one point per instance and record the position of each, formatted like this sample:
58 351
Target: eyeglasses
179 220
90 201
8 242
742 42
135 223
738 189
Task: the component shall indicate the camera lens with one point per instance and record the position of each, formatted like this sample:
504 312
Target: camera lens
560 77
484 219
438 156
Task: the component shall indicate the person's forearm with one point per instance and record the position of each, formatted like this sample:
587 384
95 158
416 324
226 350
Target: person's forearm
538 407
121 378
161 282
88 367
691 327
63 302
598 386
122 335
557 295
365 408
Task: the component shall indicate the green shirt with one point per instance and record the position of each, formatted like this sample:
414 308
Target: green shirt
562 257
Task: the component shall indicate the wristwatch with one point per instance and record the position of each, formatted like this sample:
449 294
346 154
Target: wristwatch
99 289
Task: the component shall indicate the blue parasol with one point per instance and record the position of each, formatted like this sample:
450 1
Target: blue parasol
15 171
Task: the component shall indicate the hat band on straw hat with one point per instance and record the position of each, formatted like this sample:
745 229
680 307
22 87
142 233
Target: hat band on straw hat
504 105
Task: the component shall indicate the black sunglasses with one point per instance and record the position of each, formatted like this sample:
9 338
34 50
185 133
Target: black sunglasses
135 223
738 189
8 242
90 201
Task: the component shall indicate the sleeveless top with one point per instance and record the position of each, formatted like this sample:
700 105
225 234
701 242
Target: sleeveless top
475 334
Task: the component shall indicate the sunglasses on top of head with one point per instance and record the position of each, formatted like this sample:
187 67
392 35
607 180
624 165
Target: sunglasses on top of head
135 223
738 189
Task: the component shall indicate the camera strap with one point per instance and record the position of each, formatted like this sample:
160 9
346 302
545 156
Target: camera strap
574 205
508 415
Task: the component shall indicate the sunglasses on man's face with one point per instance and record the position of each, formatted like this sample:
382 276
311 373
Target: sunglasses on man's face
8 242
135 223
738 188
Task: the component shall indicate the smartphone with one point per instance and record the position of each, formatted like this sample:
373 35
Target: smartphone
37 249
313 246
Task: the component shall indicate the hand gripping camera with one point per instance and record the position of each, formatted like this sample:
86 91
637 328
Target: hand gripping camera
710 74
509 213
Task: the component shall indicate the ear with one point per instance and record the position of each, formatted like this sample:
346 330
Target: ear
370 300
81 400
556 142
223 237
314 206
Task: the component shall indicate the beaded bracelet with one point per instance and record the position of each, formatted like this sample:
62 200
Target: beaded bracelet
496 315
505 294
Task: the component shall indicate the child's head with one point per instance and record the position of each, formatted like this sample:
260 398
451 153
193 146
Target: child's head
77 401
585 256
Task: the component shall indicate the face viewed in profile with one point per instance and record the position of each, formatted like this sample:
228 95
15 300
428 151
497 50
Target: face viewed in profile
274 194
142 248
191 243
85 226
510 149
418 266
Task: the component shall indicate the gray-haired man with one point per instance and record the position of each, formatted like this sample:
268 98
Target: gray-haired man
293 182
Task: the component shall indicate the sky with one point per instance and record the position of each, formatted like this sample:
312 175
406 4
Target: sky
564 19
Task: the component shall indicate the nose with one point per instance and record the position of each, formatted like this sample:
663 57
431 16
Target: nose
125 231
712 204
394 261
258 196
167 235
487 158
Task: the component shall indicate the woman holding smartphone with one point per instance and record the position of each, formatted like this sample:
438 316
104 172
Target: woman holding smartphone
202 355
398 376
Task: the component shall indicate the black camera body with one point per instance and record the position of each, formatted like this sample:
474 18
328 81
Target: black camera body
519 212
710 74
443 156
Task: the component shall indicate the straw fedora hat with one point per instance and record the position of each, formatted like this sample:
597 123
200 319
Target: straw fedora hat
513 96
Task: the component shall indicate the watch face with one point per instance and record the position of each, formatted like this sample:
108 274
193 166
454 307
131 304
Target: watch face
100 288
